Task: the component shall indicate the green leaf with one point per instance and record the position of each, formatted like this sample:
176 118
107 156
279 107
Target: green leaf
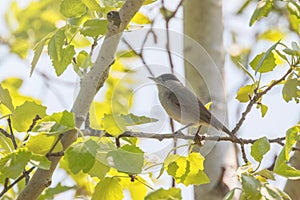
72 8
259 148
291 90
128 158
51 192
64 118
131 119
38 49
108 189
24 114
116 124
60 57
13 164
262 10
246 71
281 167
41 162
263 62
5 98
266 174
41 144
294 8
162 194
294 22
83 60
263 109
245 93
94 27
99 169
81 156
140 18
275 193
92 5
251 187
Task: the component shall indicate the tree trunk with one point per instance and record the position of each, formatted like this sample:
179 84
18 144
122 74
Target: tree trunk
204 71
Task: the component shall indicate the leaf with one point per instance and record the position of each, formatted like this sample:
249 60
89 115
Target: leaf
116 124
72 8
146 2
187 170
229 195
94 27
13 164
272 35
275 193
5 98
259 148
41 162
99 170
64 118
245 93
131 119
81 156
263 109
162 194
24 114
266 174
246 71
251 187
83 60
140 18
107 189
291 90
262 10
281 167
92 5
41 144
50 193
263 63
60 57
128 158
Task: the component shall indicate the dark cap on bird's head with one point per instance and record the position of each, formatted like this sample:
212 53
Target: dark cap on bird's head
164 77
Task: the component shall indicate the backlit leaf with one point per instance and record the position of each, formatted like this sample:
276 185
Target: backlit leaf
108 189
94 27
72 8
24 114
160 194
13 164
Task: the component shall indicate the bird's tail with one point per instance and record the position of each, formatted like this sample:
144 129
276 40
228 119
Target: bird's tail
219 126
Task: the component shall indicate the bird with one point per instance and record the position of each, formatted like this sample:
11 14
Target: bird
182 105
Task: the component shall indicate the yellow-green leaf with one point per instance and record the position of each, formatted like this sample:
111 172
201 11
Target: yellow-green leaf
5 98
24 114
72 8
108 189
245 93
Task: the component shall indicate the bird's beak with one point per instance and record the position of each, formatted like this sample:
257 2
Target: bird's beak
153 79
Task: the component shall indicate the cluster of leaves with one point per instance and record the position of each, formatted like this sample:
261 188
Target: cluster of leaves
255 182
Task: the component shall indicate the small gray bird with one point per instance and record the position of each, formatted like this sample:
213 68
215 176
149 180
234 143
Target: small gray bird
182 105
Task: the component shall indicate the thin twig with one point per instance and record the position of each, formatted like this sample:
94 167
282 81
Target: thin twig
256 98
7 187
12 137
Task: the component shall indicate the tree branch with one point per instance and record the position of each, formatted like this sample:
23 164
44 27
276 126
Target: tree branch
255 99
88 88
